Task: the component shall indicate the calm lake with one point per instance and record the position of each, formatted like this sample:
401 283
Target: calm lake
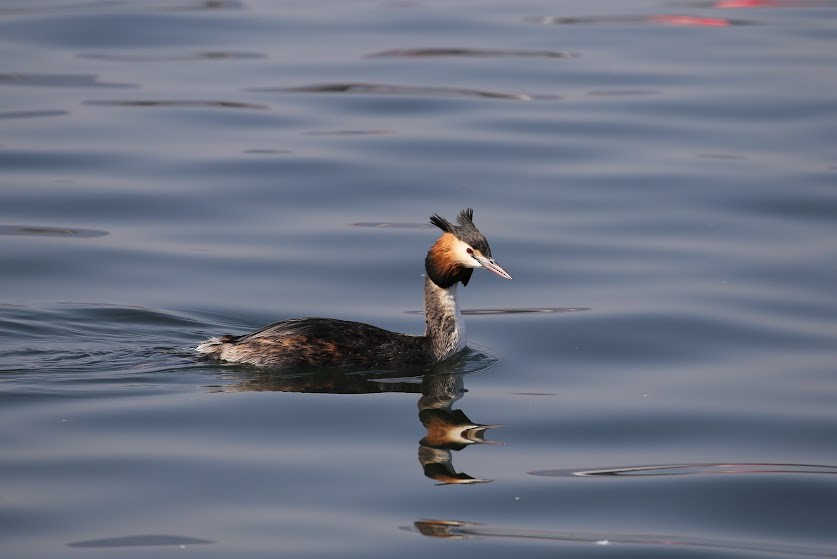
659 177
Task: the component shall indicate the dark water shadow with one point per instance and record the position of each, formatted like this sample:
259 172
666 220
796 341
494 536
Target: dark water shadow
393 225
33 114
459 530
357 132
201 5
123 5
694 470
179 103
439 386
38 231
534 310
246 378
677 20
140 541
59 80
356 88
470 53
172 57
622 92
267 151
722 156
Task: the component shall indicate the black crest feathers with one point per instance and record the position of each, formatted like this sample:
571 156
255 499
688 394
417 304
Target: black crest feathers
464 219
441 223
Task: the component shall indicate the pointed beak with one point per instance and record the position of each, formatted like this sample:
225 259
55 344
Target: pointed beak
489 264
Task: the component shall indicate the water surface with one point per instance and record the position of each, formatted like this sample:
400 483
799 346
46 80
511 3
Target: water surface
659 178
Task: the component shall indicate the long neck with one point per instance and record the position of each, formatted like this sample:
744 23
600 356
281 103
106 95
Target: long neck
445 327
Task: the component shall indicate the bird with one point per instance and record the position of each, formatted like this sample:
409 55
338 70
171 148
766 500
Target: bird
304 343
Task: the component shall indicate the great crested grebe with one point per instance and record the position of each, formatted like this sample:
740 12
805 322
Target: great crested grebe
328 342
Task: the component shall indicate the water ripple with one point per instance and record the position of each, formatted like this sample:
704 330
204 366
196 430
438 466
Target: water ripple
85 343
58 80
33 114
655 19
120 5
414 90
171 57
621 92
177 103
473 53
392 225
455 529
694 470
356 132
140 541
737 4
38 231
531 310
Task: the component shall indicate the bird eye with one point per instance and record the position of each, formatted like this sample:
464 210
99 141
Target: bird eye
470 251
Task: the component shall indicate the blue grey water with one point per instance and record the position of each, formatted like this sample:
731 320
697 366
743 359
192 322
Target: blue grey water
660 179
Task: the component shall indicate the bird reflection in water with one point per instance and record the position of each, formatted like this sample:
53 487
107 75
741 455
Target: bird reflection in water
439 386
447 429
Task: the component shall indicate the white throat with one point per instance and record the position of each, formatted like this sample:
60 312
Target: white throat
445 326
